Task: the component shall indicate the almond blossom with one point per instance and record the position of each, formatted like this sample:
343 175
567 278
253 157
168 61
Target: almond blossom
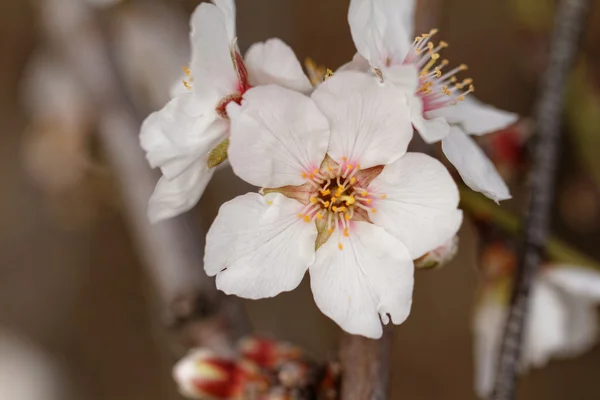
561 321
341 198
188 137
442 106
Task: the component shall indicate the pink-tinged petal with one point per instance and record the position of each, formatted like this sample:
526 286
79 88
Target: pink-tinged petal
475 117
431 130
420 203
369 120
574 280
213 72
274 61
371 276
473 166
277 135
258 246
382 29
174 141
178 195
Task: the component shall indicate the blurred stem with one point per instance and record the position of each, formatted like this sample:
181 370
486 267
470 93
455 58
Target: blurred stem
366 366
569 23
556 249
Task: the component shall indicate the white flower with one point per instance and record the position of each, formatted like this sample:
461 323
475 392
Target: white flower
561 321
343 199
441 110
179 138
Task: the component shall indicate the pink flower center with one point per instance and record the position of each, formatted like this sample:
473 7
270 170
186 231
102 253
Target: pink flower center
437 89
337 197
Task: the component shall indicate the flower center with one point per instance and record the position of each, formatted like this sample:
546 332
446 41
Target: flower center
337 198
437 89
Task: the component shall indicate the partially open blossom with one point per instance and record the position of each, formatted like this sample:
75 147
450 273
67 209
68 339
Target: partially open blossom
561 320
342 198
439 256
188 137
442 105
205 375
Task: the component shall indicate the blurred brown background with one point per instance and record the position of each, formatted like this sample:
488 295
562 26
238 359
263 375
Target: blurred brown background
78 290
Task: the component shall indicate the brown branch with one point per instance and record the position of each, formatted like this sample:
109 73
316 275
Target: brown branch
366 366
171 250
568 28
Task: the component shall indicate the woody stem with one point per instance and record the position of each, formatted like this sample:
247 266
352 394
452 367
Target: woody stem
568 27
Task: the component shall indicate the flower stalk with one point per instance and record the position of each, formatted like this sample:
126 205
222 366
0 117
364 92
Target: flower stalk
556 249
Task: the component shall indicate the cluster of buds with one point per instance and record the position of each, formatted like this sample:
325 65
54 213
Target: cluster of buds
263 369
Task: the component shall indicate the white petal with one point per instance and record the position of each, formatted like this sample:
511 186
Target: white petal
405 77
371 276
382 29
258 247
180 194
276 136
227 7
358 63
420 204
545 333
173 140
431 130
212 68
576 281
488 326
582 326
178 88
475 117
370 121
474 167
274 61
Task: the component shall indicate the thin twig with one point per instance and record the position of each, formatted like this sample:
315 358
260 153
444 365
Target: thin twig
366 366
568 27
172 250
479 207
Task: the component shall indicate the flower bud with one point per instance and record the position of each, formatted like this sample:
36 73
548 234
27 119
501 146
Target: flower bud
268 353
439 256
202 374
